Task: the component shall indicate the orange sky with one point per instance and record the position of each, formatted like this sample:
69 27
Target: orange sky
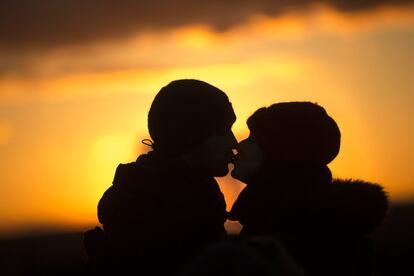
70 114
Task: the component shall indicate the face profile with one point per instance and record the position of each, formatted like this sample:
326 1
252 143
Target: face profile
248 160
216 153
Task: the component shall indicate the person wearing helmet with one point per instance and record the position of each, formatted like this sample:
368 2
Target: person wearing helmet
166 206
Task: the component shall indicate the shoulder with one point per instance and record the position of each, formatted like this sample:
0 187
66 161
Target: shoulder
352 205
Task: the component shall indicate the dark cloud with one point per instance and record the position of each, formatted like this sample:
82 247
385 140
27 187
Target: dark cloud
34 24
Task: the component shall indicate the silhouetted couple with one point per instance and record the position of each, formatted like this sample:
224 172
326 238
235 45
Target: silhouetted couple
165 211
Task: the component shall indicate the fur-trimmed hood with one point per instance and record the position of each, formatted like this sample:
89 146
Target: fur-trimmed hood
339 206
355 205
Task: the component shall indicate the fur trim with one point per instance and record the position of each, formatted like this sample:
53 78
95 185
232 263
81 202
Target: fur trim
358 205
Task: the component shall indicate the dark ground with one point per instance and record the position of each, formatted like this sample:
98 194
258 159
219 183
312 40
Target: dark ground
63 253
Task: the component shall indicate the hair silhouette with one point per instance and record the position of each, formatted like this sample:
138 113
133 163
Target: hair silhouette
296 132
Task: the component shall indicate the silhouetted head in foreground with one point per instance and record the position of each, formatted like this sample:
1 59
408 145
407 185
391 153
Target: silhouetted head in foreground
288 134
235 256
192 120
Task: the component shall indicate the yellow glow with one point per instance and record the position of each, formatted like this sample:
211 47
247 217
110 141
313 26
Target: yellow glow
6 133
112 148
146 82
82 110
195 37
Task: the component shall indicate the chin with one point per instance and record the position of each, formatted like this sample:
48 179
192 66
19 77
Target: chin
241 174
220 172
235 174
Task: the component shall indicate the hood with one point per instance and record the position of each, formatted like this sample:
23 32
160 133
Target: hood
134 182
354 206
340 206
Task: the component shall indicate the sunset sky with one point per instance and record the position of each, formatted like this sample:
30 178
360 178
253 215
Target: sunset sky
77 79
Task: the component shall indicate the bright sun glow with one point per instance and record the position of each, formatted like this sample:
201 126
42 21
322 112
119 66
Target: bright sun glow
112 149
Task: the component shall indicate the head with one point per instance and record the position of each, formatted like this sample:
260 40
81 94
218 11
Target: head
288 134
192 120
238 257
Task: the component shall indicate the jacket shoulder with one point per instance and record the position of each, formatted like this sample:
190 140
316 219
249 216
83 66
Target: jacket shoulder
116 195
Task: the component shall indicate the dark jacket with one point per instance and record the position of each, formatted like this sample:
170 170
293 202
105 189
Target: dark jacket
323 223
158 214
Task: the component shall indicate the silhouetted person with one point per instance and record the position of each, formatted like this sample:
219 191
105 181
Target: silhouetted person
165 207
290 193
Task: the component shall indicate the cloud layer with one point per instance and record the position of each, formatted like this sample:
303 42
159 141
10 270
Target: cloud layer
50 23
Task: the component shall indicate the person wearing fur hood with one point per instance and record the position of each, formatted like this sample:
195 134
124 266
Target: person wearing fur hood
324 223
